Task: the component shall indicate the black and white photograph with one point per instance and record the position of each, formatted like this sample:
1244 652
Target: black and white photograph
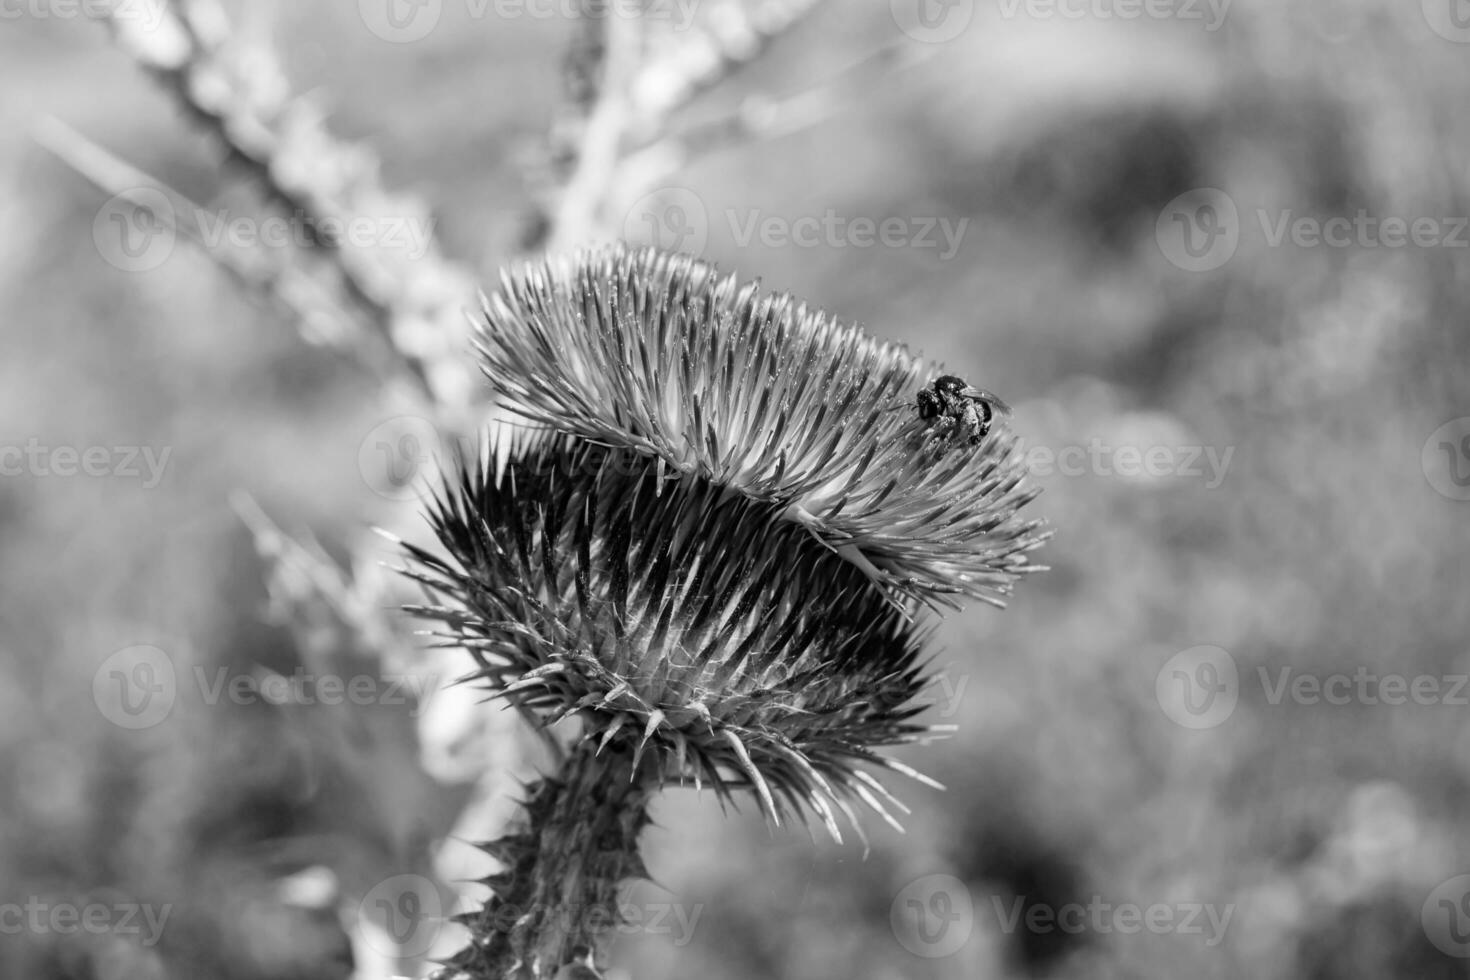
734 489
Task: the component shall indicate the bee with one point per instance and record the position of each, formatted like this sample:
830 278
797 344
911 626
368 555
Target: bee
966 406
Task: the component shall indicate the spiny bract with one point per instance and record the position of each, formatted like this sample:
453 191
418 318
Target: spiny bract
678 618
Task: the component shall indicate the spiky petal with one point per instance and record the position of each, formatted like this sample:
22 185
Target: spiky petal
770 397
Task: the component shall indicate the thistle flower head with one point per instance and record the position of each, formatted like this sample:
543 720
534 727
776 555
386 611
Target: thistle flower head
765 395
714 545
679 617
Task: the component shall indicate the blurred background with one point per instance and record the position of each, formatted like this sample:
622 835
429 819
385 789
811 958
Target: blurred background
1213 254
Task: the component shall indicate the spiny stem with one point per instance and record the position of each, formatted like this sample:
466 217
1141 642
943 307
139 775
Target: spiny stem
556 901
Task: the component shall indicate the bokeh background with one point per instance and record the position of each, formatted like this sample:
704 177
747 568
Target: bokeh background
1118 174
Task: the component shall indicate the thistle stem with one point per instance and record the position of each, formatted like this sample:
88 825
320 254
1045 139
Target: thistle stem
556 901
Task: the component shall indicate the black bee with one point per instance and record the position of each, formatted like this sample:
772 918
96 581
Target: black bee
949 397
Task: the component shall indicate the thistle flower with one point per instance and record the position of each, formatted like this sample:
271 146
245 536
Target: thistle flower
771 398
711 551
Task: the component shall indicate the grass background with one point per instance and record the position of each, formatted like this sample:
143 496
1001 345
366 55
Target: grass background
1324 549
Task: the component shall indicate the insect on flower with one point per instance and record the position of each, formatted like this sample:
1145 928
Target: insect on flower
953 398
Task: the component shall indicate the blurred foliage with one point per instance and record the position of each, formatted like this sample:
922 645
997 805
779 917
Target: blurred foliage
1323 548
